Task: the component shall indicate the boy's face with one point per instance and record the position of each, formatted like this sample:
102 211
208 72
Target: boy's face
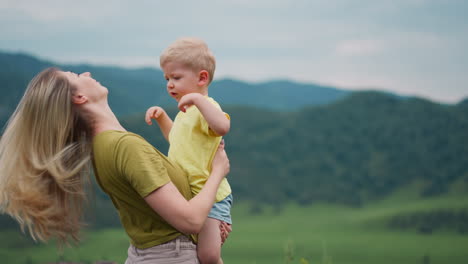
181 80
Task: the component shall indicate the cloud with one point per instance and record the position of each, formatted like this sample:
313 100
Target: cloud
360 47
50 11
415 46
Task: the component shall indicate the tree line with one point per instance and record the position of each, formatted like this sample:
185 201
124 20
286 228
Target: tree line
356 149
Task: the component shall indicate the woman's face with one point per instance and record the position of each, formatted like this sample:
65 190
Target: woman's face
86 86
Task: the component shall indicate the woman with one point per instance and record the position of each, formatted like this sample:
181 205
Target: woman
61 124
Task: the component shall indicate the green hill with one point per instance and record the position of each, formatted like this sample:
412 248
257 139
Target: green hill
277 95
134 90
357 149
351 151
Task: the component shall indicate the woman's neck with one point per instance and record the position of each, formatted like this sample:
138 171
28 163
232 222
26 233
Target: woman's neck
101 118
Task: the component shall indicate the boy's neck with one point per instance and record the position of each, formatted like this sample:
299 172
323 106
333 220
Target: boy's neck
203 91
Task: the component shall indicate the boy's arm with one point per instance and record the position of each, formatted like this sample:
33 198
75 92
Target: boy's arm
215 117
164 121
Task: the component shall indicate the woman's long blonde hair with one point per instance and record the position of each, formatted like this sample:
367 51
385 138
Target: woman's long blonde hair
44 160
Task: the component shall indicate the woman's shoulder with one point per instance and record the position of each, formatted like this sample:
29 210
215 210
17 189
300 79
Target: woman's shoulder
114 140
117 136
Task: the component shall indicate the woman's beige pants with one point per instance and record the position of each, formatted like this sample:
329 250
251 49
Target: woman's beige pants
178 251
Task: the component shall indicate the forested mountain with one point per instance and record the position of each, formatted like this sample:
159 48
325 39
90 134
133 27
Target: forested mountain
360 147
134 90
277 95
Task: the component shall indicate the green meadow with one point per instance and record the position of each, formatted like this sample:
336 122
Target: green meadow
319 233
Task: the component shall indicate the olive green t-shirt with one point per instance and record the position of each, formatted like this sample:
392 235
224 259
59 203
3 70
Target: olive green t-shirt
128 169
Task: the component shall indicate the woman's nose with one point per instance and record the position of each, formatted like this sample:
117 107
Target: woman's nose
86 74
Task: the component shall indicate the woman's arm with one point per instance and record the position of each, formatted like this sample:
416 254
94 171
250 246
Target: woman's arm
189 216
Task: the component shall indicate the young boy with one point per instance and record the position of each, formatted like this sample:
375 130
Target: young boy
196 132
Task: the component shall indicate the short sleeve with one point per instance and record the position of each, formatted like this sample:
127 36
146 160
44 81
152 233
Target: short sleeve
141 165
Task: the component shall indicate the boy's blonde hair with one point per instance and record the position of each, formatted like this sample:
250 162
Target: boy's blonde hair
193 53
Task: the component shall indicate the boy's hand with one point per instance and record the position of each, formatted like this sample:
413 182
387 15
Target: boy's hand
188 100
164 121
225 230
153 112
217 120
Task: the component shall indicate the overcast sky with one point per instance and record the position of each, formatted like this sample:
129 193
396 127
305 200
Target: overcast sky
411 47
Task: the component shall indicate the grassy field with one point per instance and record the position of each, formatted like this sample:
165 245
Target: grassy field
318 234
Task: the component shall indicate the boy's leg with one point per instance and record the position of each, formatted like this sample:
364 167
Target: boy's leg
209 242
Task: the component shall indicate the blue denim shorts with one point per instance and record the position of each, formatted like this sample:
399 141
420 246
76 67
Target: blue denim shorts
222 210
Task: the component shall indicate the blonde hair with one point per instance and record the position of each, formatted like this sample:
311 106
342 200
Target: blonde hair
192 52
44 157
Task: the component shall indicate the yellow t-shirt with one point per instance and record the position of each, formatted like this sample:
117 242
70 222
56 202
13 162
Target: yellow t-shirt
192 145
128 169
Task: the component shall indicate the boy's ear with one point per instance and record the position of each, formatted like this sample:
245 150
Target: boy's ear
79 99
203 78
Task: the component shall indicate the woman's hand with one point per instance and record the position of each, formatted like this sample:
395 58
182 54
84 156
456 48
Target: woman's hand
220 164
